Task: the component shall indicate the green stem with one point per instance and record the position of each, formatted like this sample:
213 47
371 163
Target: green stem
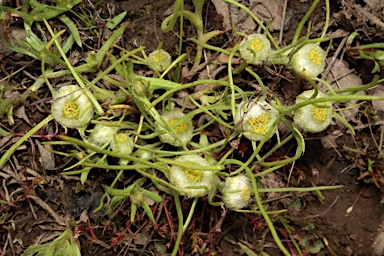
265 215
192 165
327 17
334 98
12 149
99 110
110 153
191 210
302 22
230 79
174 87
261 84
283 190
250 13
170 21
180 226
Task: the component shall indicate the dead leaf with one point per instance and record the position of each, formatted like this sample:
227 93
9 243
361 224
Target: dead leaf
223 10
378 104
339 69
142 239
19 112
47 158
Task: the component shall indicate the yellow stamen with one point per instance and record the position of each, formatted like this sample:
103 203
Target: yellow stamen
121 137
181 128
246 194
260 124
315 56
71 110
319 114
193 175
256 45
158 57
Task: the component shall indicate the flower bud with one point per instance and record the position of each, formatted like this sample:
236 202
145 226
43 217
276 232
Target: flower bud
136 197
237 192
314 117
143 154
101 135
140 87
160 60
256 119
255 48
184 130
122 144
191 182
309 61
71 107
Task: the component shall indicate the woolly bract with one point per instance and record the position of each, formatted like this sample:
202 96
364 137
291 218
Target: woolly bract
256 119
237 192
71 107
160 59
255 48
184 130
313 118
191 182
309 60
102 135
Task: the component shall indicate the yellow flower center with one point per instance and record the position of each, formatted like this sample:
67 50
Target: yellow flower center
319 114
256 45
193 175
260 124
71 110
246 194
158 57
181 128
121 137
315 57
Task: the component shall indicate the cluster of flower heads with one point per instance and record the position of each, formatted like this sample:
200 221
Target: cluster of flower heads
192 182
258 120
308 60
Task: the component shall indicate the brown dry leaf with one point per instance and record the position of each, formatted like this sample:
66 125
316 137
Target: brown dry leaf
223 10
329 141
378 244
271 180
47 158
270 9
19 112
378 104
339 69
376 4
265 10
142 239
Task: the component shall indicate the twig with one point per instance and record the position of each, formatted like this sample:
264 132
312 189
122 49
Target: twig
318 215
282 22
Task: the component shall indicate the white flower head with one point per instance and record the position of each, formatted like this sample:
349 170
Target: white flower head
192 182
255 48
313 118
71 107
102 135
237 192
160 59
122 143
184 130
309 60
256 119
